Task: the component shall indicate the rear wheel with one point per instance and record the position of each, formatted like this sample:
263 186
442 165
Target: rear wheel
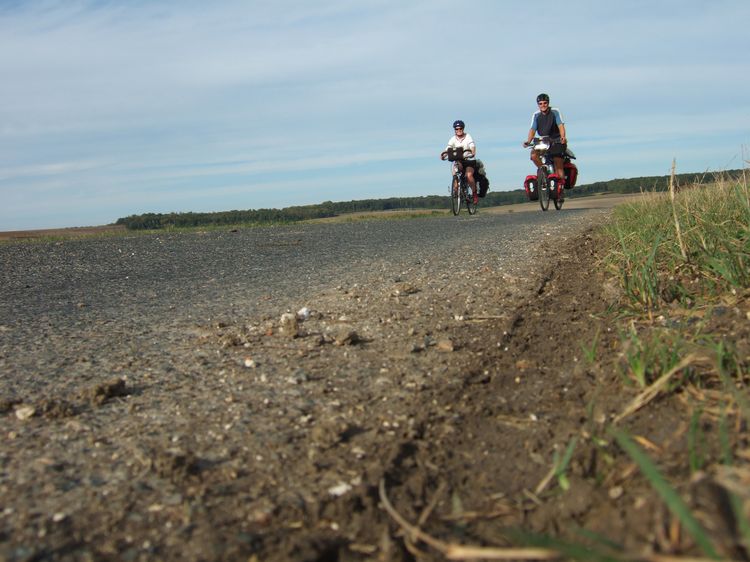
542 187
455 196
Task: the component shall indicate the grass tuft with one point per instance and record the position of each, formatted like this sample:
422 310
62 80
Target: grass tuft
667 493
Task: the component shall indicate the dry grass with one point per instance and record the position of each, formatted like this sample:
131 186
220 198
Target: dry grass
61 233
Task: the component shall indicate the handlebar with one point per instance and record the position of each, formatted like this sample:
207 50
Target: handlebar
457 153
543 143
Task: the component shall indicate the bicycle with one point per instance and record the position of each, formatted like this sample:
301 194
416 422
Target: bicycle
460 189
548 185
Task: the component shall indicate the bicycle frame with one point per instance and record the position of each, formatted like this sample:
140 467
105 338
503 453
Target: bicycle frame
460 190
548 182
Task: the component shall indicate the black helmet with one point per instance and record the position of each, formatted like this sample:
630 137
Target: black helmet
458 123
542 97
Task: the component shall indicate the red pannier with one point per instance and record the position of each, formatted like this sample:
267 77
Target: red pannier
571 175
530 186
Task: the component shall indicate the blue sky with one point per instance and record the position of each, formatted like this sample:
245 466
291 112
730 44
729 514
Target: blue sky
110 108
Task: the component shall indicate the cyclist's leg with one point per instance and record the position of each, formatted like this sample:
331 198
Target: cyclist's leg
454 169
470 179
560 168
472 183
536 159
557 151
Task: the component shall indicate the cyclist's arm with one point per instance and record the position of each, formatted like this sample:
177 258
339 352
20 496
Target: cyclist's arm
560 122
470 147
444 154
530 136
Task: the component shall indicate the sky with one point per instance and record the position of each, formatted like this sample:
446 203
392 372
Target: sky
114 108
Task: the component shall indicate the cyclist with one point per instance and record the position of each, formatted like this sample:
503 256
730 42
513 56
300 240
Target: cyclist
548 122
463 140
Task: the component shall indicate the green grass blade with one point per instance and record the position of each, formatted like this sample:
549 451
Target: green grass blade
568 550
667 493
562 467
599 539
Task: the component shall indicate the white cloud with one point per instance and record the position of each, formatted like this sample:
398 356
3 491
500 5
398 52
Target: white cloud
132 103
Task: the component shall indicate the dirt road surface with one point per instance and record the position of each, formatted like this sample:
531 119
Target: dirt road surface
262 394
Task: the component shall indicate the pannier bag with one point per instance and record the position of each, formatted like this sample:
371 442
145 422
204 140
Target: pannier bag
484 186
456 153
571 175
530 186
482 181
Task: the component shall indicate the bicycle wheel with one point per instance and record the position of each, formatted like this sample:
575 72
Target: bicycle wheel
558 199
543 187
455 196
470 205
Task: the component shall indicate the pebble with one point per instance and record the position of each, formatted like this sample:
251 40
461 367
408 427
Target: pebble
303 314
445 346
346 336
288 325
339 489
25 412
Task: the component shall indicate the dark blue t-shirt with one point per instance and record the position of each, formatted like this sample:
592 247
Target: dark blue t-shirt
546 125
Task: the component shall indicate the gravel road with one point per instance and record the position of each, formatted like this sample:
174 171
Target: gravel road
153 408
62 300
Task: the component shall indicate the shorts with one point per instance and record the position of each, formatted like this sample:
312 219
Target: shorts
557 150
467 164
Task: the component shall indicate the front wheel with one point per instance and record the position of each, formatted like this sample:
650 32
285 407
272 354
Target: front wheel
455 196
543 187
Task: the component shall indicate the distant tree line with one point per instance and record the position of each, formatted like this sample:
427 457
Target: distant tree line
154 221
652 183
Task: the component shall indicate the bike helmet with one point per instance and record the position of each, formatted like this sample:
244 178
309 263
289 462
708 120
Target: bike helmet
458 123
542 97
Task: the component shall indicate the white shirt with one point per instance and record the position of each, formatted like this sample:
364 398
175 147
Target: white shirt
466 142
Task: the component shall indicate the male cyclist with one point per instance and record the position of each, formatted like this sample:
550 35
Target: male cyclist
463 140
548 122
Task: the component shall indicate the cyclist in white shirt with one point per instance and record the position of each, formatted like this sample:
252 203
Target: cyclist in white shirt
462 139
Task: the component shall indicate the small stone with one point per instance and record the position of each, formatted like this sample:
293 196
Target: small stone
402 289
339 489
346 336
25 412
299 377
358 452
289 326
303 314
445 346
